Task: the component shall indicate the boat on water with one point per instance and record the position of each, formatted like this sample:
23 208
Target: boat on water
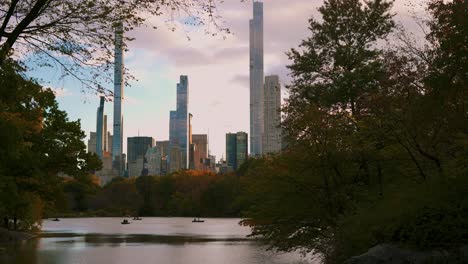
125 222
56 219
197 220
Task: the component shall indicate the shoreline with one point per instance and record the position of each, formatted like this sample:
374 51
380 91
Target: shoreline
9 237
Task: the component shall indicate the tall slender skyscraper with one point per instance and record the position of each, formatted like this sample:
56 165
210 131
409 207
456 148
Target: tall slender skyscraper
106 137
272 115
100 129
256 79
117 140
179 129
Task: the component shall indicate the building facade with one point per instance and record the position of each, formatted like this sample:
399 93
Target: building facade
106 135
179 129
256 80
242 149
118 162
153 161
137 148
92 142
236 149
272 115
100 134
231 150
200 152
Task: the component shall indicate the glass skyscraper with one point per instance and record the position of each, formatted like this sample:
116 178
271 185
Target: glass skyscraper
231 147
100 135
137 148
117 140
178 129
256 79
236 149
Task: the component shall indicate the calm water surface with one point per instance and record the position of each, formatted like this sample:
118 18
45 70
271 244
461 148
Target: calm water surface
151 240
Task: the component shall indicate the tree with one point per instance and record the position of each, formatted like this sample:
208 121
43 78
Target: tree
378 139
38 142
335 72
78 35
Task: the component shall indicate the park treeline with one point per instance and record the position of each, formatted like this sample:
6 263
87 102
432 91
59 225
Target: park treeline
184 193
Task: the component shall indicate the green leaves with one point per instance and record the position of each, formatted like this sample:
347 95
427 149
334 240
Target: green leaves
377 138
38 142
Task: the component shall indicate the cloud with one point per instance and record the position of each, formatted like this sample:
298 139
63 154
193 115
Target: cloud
241 80
61 92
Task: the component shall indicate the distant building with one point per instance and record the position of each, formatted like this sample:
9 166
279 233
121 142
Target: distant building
153 161
242 149
118 162
179 128
236 149
191 146
272 116
92 142
135 167
175 159
105 175
106 136
163 148
212 163
200 152
256 79
109 142
231 150
100 128
223 167
136 151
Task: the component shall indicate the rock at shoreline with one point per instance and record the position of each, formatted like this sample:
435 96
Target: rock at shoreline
391 254
7 236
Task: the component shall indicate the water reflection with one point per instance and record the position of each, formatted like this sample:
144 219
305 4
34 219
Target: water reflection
154 240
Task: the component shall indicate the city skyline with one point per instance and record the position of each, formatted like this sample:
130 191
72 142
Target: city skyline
218 71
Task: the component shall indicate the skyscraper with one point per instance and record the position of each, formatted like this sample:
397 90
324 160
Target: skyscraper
179 130
272 115
117 140
137 148
191 146
236 149
200 153
231 147
106 137
256 79
92 142
100 135
242 149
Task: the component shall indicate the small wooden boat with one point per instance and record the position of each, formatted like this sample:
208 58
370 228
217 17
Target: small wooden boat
56 219
125 222
197 220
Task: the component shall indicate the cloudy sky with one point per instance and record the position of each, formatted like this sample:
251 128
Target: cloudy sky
217 68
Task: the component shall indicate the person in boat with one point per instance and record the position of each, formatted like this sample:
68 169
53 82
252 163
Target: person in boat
125 222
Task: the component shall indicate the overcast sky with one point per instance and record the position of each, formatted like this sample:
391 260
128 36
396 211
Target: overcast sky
217 69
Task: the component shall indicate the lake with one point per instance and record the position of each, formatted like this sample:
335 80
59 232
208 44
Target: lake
150 240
